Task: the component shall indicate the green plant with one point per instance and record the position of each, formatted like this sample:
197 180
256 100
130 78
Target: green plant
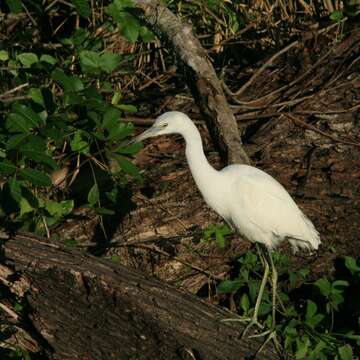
128 24
309 317
67 120
219 232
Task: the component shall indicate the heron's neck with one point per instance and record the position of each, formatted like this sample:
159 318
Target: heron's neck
200 168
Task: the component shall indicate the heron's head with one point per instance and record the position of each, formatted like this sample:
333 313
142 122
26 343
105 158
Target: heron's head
172 122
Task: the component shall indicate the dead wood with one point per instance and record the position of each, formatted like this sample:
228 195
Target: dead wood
88 308
201 78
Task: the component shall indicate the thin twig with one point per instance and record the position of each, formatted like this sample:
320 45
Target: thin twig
15 98
285 87
15 89
264 66
329 112
314 128
10 312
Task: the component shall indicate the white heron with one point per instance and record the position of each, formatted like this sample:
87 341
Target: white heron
252 202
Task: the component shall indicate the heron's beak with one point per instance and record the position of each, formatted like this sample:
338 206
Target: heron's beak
144 135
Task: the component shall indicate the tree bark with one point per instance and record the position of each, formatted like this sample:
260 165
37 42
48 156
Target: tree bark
83 307
201 78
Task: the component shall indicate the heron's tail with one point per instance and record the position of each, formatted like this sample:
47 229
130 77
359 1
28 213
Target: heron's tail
310 238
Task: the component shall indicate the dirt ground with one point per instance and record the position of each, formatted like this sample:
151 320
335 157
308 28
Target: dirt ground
306 136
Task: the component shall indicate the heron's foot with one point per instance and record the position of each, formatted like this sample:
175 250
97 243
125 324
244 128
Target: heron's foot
251 322
270 336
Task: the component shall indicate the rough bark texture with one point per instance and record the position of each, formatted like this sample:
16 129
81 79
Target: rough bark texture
201 78
88 308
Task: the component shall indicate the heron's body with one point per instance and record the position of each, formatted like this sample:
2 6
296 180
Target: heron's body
251 201
259 208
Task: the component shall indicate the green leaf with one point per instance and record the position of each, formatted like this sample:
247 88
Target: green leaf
304 273
59 209
67 207
78 144
128 167
111 119
129 150
116 129
36 177
315 320
4 55
115 9
229 286
336 15
82 8
292 279
15 140
40 157
337 283
93 195
30 197
79 37
131 28
36 96
220 239
15 6
89 61
27 59
25 207
103 211
146 35
116 98
245 303
346 352
116 259
254 286
127 107
302 348
351 264
71 243
16 123
15 190
22 119
290 331
13 64
109 62
264 308
121 131
7 167
123 4
35 142
311 309
324 286
48 59
69 83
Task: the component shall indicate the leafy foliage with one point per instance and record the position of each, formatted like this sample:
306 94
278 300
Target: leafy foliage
311 321
68 121
219 232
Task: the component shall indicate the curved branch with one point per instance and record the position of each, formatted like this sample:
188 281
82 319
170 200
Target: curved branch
200 76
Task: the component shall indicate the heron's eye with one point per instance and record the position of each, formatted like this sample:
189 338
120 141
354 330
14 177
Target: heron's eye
163 125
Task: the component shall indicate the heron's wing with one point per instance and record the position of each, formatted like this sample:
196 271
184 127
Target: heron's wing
263 210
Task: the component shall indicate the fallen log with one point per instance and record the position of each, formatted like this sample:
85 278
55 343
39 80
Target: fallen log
83 307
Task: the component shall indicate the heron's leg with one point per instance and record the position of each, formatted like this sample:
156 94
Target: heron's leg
271 333
274 280
254 319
